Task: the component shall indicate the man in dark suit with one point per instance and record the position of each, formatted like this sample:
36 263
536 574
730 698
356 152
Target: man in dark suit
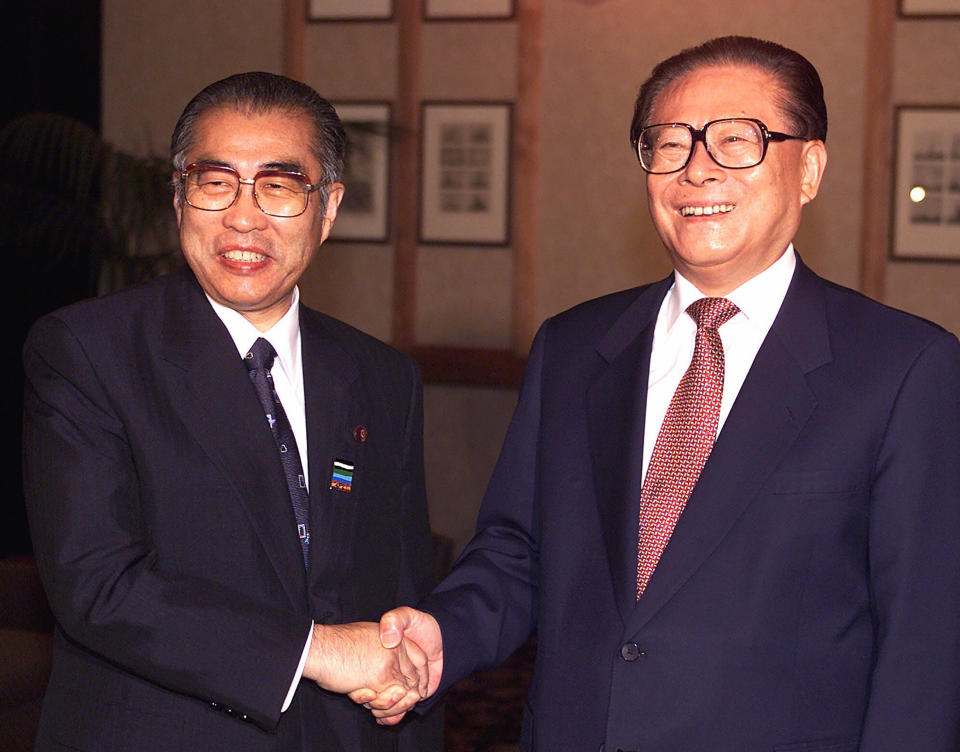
731 534
217 475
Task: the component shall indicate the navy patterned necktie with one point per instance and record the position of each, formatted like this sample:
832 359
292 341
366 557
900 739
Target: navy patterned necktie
686 437
259 361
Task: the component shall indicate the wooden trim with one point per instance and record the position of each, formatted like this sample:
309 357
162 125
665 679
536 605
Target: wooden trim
406 164
877 148
461 365
525 212
294 38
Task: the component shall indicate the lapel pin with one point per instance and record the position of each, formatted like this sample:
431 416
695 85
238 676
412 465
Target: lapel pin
360 433
342 476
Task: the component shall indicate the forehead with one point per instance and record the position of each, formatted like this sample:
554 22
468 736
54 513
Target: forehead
254 140
715 92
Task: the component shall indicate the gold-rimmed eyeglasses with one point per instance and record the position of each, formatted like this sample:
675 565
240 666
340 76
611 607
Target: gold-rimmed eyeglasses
276 192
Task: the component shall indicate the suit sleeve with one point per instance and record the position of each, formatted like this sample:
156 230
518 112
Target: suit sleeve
487 606
914 563
107 585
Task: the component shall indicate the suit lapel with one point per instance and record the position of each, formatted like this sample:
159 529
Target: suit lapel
770 411
332 401
211 393
616 405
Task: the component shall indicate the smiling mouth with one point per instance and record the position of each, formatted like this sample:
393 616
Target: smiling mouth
705 211
246 257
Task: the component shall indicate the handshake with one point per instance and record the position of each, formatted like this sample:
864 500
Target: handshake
387 668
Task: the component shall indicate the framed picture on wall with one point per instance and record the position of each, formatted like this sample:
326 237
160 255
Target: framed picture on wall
465 176
364 213
349 10
467 10
928 8
926 187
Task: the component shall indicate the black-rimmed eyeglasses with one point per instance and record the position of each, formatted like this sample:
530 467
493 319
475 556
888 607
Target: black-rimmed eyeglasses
734 143
276 192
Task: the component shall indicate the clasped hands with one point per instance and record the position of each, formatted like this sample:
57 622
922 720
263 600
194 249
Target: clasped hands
388 668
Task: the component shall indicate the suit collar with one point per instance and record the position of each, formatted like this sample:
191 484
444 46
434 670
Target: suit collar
616 403
212 395
634 321
771 409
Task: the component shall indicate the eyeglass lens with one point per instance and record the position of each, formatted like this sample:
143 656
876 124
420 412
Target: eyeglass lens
279 194
732 143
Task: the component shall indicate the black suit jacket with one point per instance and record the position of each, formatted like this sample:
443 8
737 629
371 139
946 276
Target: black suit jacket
165 536
809 598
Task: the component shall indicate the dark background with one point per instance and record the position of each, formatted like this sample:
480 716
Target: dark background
52 64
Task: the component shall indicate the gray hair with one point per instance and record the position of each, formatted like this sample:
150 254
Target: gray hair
259 92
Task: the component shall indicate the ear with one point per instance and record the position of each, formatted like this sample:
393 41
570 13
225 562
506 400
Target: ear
813 161
334 197
177 202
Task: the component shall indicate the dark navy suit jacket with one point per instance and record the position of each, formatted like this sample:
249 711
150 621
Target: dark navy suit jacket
165 537
809 599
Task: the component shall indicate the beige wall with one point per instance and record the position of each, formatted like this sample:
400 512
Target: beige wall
926 66
595 233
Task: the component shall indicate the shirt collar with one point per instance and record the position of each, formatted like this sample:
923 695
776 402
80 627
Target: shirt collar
284 335
759 298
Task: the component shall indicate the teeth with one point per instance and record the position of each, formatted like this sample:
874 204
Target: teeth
697 211
244 256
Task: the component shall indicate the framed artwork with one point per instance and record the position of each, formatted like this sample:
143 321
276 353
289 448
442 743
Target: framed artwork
364 213
928 8
467 10
465 176
349 10
926 187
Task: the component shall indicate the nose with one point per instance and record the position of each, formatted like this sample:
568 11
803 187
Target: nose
701 168
243 215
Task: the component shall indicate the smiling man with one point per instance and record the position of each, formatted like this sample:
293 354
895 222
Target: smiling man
211 466
729 501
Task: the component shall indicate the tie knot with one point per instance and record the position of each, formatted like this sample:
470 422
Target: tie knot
261 356
711 313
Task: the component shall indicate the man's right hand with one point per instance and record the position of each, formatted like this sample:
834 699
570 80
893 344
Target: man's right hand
349 658
401 627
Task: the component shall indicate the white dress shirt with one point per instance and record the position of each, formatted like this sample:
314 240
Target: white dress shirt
759 300
288 381
288 378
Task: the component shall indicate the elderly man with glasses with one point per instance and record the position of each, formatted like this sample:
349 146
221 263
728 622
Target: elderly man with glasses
729 501
217 476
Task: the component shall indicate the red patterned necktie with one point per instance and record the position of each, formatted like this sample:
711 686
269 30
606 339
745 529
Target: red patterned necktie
686 437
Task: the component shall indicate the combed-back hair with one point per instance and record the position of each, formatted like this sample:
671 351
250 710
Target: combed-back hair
258 92
800 97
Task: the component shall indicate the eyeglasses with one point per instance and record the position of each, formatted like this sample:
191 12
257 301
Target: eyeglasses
276 192
734 143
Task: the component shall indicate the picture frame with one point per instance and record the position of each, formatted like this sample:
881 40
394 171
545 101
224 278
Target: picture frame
465 173
928 8
349 10
468 10
364 214
925 215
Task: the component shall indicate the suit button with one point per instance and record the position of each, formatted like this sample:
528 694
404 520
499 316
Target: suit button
630 651
215 705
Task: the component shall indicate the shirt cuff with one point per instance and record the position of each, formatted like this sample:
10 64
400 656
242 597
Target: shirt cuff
296 678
